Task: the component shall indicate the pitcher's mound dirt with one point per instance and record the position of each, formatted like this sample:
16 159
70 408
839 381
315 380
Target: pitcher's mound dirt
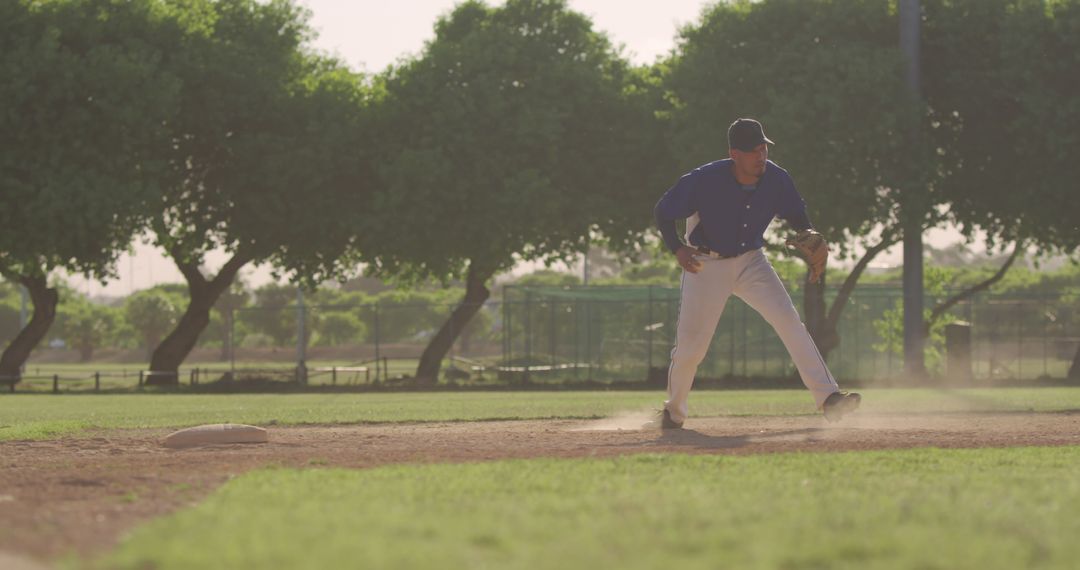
80 494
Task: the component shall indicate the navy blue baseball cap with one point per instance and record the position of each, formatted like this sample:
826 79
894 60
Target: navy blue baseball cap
746 135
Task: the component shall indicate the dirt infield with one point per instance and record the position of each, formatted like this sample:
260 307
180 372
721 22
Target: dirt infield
81 494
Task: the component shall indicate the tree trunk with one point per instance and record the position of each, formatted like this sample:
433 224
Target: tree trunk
817 323
16 353
86 350
826 335
476 293
170 354
1074 370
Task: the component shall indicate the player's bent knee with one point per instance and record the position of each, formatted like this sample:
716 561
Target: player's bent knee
690 352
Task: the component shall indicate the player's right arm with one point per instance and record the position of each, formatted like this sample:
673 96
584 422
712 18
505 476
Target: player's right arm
677 204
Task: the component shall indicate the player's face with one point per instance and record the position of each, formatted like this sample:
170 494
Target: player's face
751 163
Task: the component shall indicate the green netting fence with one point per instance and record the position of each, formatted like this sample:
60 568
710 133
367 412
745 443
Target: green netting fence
566 335
626 333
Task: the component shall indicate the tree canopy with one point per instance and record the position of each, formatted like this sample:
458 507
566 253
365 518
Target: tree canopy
1005 103
516 134
826 80
84 107
269 163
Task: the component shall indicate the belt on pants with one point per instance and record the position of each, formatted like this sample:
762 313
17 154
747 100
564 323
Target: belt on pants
706 251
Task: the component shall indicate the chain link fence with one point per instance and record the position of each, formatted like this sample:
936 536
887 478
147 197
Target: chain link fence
572 334
625 333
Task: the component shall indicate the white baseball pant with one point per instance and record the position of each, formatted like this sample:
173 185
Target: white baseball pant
752 278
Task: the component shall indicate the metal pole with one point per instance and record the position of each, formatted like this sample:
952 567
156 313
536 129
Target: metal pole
744 343
232 342
585 268
670 325
450 322
1044 321
507 336
577 340
588 338
376 341
858 321
763 347
910 32
974 341
300 326
914 343
1019 341
731 347
528 334
551 330
648 358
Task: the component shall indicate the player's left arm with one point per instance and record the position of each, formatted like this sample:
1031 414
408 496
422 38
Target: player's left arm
808 241
792 207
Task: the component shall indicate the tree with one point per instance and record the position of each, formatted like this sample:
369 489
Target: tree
152 313
1006 120
10 309
85 99
339 327
406 315
273 313
890 327
518 133
826 78
269 159
85 325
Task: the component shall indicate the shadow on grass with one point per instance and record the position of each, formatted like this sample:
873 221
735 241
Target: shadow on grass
696 439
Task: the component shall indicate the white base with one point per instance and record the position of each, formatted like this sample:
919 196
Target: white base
216 433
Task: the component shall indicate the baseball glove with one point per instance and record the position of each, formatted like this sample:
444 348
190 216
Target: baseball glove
813 248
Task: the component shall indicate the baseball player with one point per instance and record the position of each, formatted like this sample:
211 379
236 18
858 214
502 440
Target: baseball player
727 205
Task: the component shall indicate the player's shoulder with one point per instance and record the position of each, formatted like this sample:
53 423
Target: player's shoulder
713 168
774 168
776 172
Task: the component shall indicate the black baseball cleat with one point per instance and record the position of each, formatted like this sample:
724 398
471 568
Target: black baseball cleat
662 420
840 404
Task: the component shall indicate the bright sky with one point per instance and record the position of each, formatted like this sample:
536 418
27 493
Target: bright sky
371 34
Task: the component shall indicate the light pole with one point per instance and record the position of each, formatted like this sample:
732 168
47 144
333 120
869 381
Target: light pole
301 364
911 205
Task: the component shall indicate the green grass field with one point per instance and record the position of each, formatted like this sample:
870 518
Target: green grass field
43 416
987 509
76 377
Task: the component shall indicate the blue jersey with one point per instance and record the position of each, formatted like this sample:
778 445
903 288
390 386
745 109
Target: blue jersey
722 214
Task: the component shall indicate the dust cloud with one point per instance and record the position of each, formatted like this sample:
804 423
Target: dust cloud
622 421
